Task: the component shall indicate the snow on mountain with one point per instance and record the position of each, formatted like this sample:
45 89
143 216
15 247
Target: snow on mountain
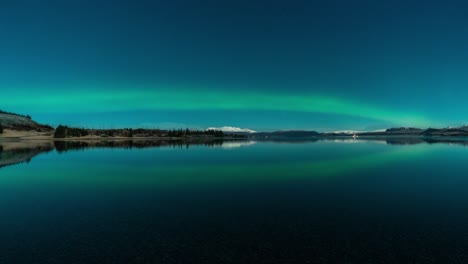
232 129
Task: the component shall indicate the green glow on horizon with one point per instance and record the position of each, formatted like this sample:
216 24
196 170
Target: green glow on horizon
86 100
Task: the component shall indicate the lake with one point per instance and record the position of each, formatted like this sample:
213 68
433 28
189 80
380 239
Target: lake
330 201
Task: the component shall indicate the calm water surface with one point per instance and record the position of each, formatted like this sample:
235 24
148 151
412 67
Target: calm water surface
235 202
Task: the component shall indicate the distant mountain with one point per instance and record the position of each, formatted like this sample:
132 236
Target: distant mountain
21 123
230 129
397 131
285 134
390 132
454 132
430 132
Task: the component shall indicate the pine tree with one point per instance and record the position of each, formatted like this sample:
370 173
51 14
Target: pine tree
61 132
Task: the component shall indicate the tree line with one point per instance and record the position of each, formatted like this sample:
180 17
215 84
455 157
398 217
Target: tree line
65 132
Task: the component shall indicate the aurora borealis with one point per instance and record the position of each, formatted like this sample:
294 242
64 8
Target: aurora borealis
265 65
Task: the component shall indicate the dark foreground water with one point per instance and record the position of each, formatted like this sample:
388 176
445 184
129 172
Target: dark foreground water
234 202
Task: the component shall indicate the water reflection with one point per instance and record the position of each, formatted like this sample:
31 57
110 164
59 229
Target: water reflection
394 200
19 151
417 140
63 146
16 152
237 144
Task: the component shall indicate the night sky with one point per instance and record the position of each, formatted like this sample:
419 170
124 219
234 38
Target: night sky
263 65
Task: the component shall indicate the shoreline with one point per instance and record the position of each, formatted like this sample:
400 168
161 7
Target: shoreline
11 135
15 135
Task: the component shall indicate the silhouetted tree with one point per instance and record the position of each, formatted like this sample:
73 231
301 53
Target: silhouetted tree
61 132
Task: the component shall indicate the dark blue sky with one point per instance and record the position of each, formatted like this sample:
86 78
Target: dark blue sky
265 65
